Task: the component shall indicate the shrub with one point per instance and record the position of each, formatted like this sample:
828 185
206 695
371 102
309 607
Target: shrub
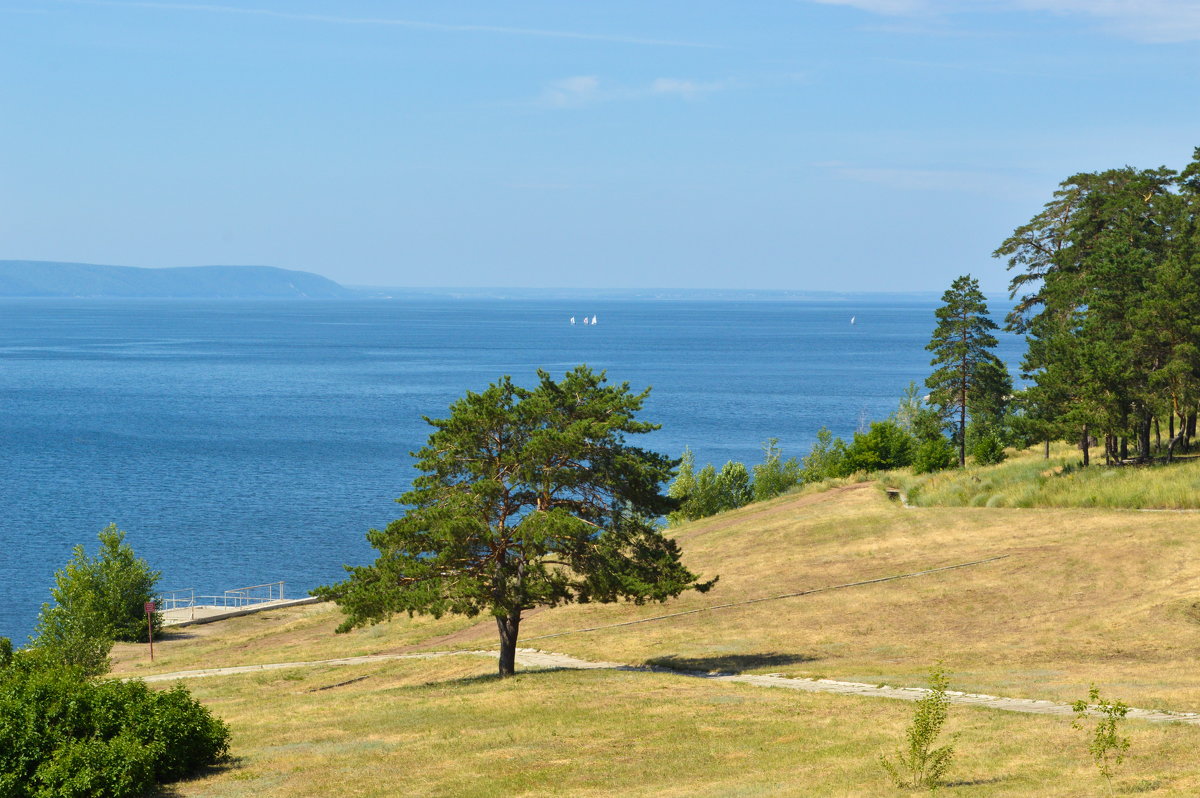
988 448
774 475
920 765
62 734
708 492
97 600
1107 747
826 459
884 446
935 454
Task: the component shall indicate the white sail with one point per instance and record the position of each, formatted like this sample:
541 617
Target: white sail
572 319
593 319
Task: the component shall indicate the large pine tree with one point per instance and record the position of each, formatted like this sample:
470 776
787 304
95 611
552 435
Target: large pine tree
968 374
527 498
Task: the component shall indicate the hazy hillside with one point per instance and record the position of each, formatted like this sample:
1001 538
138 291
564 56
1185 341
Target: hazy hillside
46 279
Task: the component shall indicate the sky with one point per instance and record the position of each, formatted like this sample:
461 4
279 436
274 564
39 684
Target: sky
823 145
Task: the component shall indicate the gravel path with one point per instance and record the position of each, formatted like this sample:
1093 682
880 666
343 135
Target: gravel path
533 658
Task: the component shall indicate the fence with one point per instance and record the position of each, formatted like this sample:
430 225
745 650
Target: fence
235 598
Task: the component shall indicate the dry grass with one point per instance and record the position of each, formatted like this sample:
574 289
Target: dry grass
1084 596
447 728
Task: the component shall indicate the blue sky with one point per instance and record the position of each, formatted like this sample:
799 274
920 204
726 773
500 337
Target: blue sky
834 145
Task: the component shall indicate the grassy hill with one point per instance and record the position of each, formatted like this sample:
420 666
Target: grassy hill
1081 595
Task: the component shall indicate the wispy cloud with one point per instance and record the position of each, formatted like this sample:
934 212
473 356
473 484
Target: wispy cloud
572 92
581 90
1143 20
385 22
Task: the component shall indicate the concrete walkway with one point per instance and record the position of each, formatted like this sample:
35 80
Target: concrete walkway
206 613
543 660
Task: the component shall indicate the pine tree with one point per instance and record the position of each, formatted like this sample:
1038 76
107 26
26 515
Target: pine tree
967 371
527 498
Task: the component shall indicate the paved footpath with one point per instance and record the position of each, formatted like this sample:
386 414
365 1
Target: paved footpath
543 660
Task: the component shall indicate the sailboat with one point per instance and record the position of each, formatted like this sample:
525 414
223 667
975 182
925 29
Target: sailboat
852 319
572 319
593 319
585 320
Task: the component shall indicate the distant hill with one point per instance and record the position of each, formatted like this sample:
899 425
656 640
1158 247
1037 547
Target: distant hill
31 278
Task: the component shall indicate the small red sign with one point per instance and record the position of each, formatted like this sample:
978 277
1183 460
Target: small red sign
149 607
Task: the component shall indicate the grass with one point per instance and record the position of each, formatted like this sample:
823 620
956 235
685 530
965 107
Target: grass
1083 595
1027 479
448 728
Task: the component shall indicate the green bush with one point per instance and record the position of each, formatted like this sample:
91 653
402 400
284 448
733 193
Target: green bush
708 492
774 475
988 448
919 765
883 447
826 459
96 601
935 454
65 736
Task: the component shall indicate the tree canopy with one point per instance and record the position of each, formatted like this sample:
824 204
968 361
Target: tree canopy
1107 278
969 378
526 498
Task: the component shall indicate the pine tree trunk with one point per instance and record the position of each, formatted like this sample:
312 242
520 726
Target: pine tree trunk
508 626
962 432
1083 444
1143 442
1047 455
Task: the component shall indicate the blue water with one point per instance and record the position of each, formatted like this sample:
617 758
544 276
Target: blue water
239 443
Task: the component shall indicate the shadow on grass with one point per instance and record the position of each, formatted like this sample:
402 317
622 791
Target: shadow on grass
228 765
729 663
974 782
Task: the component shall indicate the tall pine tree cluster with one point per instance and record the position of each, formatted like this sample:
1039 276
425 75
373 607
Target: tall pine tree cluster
1107 283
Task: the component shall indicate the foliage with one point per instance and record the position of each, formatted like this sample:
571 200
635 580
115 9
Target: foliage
826 459
935 454
969 378
708 492
682 488
774 475
919 765
62 734
987 447
1106 746
881 448
526 498
1107 278
97 600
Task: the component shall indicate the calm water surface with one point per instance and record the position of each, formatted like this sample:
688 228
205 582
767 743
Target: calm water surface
245 442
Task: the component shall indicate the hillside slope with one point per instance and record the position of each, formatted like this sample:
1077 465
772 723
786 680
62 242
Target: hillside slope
48 279
1082 596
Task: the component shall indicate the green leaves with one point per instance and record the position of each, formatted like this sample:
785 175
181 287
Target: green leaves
96 601
919 765
969 377
527 498
1105 744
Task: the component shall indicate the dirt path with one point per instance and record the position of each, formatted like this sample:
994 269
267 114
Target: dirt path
543 660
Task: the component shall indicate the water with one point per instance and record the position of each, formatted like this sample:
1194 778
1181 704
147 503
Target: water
239 443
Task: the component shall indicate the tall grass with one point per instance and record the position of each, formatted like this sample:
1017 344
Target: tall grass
1027 479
